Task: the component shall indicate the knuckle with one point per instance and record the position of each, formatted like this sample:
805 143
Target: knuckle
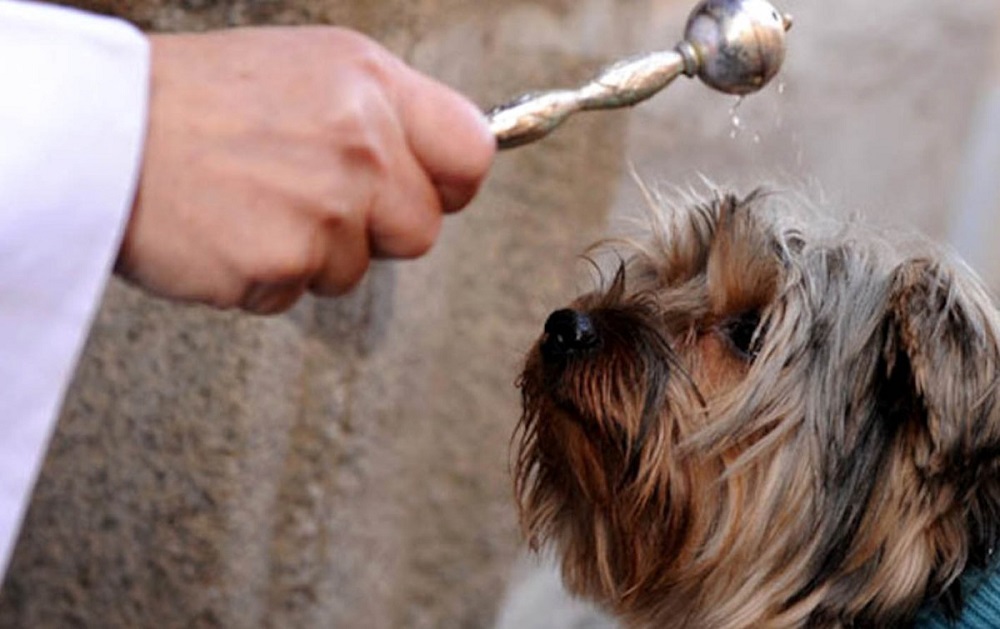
226 295
377 65
266 299
365 56
295 261
330 213
349 43
355 273
422 238
360 119
340 278
359 129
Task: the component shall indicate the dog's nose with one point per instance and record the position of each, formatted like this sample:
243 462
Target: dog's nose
567 331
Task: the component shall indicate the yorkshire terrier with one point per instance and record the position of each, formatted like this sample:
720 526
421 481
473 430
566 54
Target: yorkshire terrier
763 421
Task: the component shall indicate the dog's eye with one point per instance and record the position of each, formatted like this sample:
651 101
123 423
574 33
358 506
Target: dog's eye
743 334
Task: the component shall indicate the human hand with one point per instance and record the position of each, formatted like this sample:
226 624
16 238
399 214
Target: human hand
281 160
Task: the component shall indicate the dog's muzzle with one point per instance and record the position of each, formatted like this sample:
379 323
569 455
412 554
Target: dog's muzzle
567 332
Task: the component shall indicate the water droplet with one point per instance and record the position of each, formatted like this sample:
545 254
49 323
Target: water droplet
756 138
781 87
734 119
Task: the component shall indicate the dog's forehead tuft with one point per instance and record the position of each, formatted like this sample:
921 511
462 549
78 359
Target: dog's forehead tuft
740 253
672 245
732 247
744 265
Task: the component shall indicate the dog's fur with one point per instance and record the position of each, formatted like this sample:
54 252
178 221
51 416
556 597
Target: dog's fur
775 424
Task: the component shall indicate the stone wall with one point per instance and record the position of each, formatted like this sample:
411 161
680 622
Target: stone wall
344 465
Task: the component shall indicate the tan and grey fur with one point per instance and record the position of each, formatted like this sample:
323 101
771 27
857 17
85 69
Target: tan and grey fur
773 423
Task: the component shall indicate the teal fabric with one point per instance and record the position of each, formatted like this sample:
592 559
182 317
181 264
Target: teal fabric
981 609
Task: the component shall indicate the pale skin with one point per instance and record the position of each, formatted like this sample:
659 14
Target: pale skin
280 161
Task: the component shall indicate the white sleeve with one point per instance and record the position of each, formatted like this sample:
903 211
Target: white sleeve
73 101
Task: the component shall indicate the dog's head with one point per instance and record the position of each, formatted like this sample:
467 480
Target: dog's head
764 422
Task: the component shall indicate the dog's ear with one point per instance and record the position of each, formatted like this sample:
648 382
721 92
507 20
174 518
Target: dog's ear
943 331
944 357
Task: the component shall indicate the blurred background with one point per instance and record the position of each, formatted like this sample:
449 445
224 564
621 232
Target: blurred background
346 464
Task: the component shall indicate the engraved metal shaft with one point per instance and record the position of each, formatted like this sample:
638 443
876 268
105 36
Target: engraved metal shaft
735 46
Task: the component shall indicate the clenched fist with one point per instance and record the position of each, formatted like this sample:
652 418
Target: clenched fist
282 160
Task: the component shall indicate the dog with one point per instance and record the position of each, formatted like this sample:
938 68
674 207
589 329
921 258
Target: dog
764 420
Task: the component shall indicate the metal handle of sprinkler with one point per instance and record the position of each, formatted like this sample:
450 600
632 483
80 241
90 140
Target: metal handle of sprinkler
734 46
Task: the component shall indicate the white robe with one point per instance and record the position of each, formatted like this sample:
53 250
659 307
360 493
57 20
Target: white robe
74 92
